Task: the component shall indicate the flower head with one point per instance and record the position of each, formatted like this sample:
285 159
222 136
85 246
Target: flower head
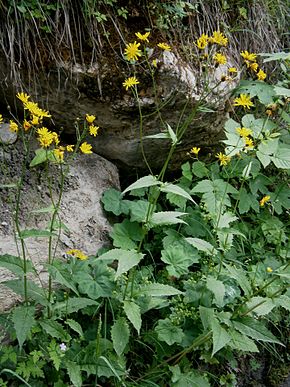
130 82
154 63
55 138
90 119
244 132
59 153
26 125
78 254
13 126
35 110
269 269
249 56
202 42
23 97
223 159
132 51
164 46
264 200
232 70
70 148
194 150
86 148
35 120
243 100
249 142
143 37
220 58
62 347
252 65
93 130
1 118
261 75
218 38
45 137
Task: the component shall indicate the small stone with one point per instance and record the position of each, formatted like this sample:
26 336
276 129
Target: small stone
6 136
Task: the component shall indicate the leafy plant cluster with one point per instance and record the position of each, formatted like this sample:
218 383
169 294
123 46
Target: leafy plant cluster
198 272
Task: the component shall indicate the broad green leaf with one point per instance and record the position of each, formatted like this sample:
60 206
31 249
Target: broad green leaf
283 272
244 201
42 155
217 288
275 56
126 234
188 379
260 305
186 171
202 245
15 264
220 337
240 276
269 146
175 189
74 373
224 220
264 158
178 259
206 316
54 329
203 187
262 90
126 259
166 218
138 211
120 335
35 233
146 181
62 277
241 342
199 169
255 329
75 326
158 290
112 201
169 332
34 292
73 304
23 320
281 158
133 314
282 91
283 301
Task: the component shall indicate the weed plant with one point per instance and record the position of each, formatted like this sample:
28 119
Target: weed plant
198 272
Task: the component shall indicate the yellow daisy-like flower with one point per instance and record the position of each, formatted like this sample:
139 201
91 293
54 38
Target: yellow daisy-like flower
202 42
13 126
1 118
23 97
261 75
86 148
78 254
46 139
164 46
143 37
194 150
248 142
269 269
132 51
264 200
35 109
218 38
244 132
243 100
26 125
249 56
59 153
90 119
35 120
55 138
70 148
252 65
223 159
220 58
233 70
154 63
93 130
42 131
130 82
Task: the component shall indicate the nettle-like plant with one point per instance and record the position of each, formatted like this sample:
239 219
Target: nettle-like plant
199 269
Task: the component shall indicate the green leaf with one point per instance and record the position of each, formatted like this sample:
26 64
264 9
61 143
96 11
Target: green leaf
74 372
275 56
166 218
41 156
175 189
187 379
241 278
133 314
283 301
34 292
158 290
281 158
202 245
75 326
138 211
220 336
262 90
126 259
35 233
159 135
255 329
264 158
186 171
120 335
244 201
217 288
224 220
15 264
23 320
282 91
44 210
172 134
146 181
73 305
260 305
126 234
199 169
61 276
169 332
241 342
206 316
178 259
54 329
112 201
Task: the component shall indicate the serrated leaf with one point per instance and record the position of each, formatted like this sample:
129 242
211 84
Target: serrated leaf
281 158
260 305
265 159
172 135
73 304
169 332
120 335
112 201
255 329
133 314
35 233
143 182
241 342
23 320
74 373
199 169
283 301
159 290
75 326
138 211
241 278
126 234
166 218
54 329
220 337
187 379
206 316
62 277
15 264
175 189
202 245
126 259
224 220
178 259
217 288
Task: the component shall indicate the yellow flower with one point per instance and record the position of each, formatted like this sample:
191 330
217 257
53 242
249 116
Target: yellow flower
252 65
244 132
59 153
232 70
93 130
249 56
223 159
46 139
202 42
55 138
132 51
261 75
86 148
164 46
248 142
35 109
13 126
154 63
218 38
130 82
269 269
1 118
220 58
143 37
26 125
42 131
90 119
23 97
194 150
243 100
78 254
35 120
264 200
70 148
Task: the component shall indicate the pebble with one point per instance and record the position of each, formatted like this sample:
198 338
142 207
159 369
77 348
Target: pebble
6 136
